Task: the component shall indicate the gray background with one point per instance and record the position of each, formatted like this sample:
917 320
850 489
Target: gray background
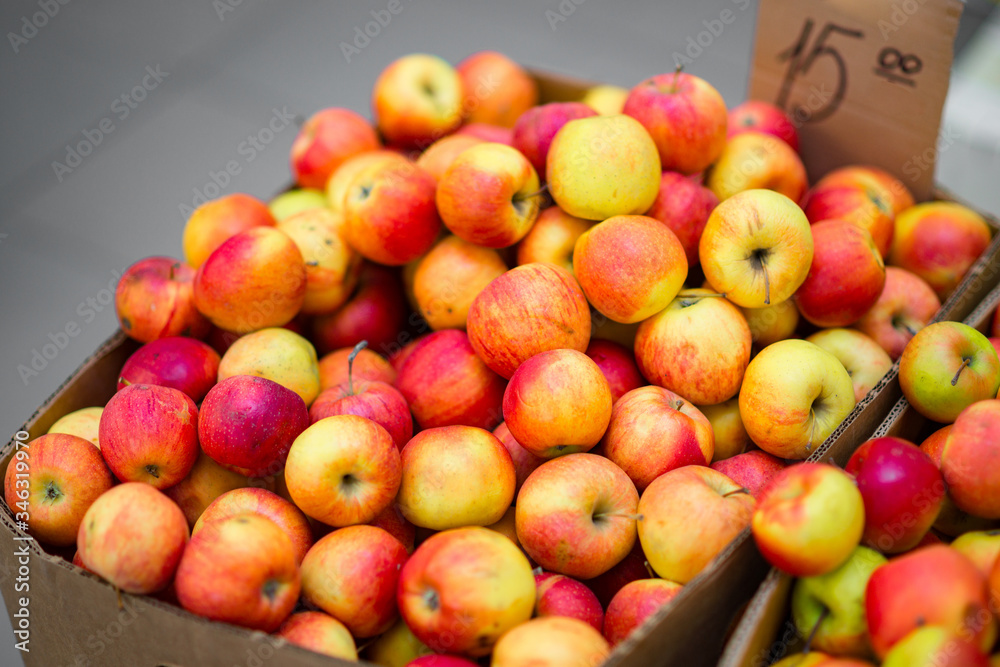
64 242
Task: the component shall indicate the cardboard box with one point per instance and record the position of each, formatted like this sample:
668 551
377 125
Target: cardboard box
765 633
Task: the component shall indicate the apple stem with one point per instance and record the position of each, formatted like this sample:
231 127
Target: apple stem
124 381
767 285
812 633
118 595
677 73
692 294
601 515
965 362
649 569
350 365
735 491
533 194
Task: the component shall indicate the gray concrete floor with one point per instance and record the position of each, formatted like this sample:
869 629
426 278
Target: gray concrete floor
225 67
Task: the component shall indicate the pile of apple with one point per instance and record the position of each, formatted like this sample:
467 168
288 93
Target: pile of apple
576 387
934 604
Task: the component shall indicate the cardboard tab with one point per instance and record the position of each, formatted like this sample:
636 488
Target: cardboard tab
864 82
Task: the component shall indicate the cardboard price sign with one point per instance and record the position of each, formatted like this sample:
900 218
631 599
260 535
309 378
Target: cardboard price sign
864 81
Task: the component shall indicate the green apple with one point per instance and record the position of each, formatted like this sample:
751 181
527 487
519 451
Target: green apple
833 605
946 367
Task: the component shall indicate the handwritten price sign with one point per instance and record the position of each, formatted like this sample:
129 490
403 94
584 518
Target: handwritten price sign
864 82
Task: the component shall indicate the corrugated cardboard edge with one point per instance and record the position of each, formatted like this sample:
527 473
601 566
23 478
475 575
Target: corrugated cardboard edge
757 637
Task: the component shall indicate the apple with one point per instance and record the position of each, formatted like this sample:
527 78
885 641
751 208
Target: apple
759 116
318 632
551 641
557 402
155 299
804 384
683 205
351 574
605 99
934 646
845 278
463 588
631 568
906 305
653 431
441 661
576 515
864 359
552 314
215 221
603 166
291 202
343 470
635 603
497 89
334 368
417 99
277 354
263 503
969 456
150 434
604 328
552 238
445 383
951 520
630 267
396 647
378 401
336 186
952 595
51 482
809 520
863 196
524 461
248 423
254 280
332 266
946 367
687 516
241 570
537 127
772 323
489 195
436 159
449 277
440 465
939 241
392 521
830 608
178 362
753 470
698 346
389 212
84 423
328 138
486 132
729 435
902 490
756 248
982 547
506 526
559 595
617 363
753 160
376 313
133 536
207 481
686 117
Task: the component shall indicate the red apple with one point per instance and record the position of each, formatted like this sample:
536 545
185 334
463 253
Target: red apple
436 159
376 313
969 459
902 491
254 280
559 595
557 402
50 483
684 205
368 365
449 277
631 568
327 139
754 160
653 431
486 132
618 365
263 503
536 127
845 278
241 570
497 89
248 424
217 220
860 195
633 604
392 521
504 342
320 633
351 574
155 299
181 363
906 305
417 99
377 401
686 117
524 461
150 434
951 521
752 470
758 116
